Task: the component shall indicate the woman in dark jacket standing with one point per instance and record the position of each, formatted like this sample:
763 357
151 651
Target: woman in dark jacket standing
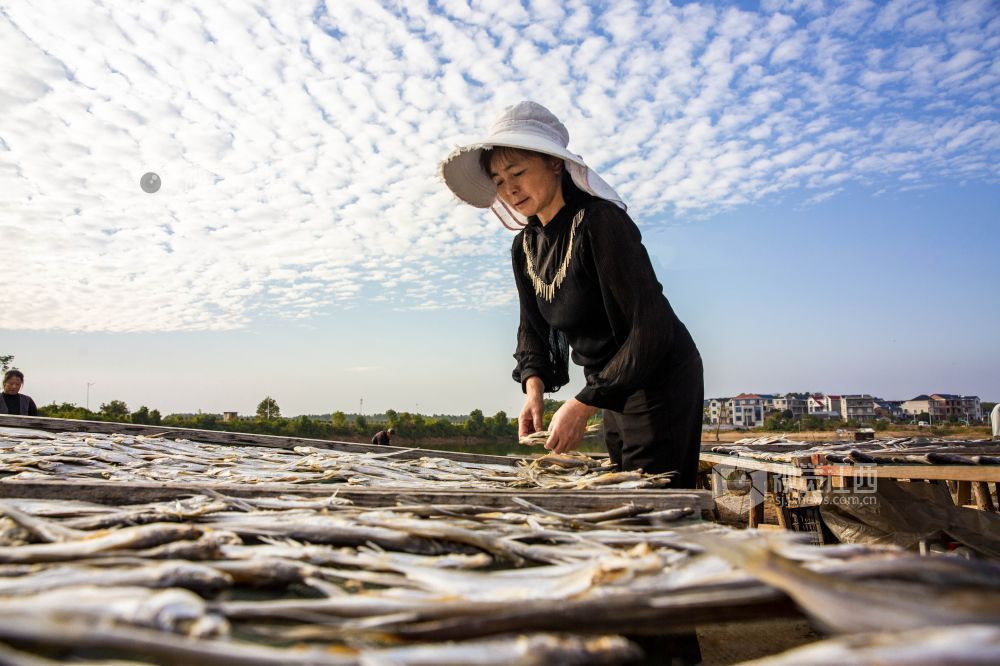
15 402
585 284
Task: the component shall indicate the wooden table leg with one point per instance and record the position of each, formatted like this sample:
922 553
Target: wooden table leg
757 494
963 493
981 491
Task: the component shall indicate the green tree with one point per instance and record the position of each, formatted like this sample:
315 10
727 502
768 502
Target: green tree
476 423
501 424
141 415
338 420
550 407
155 418
116 410
361 424
391 418
5 362
268 409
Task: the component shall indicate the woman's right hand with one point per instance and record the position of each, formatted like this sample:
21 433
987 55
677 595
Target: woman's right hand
531 419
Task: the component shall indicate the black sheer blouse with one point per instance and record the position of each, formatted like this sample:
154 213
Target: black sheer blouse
610 308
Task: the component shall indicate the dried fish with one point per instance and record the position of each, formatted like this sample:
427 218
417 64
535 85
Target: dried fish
188 575
970 645
844 605
142 536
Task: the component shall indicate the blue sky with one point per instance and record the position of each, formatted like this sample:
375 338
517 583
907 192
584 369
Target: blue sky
816 182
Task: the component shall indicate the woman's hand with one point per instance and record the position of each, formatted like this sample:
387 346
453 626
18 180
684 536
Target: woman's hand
531 419
568 426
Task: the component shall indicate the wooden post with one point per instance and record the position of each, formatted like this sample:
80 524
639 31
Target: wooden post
981 490
757 494
963 493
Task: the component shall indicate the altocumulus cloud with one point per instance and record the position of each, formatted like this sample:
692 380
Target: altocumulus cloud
298 141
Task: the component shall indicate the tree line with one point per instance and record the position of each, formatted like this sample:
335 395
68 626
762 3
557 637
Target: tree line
268 421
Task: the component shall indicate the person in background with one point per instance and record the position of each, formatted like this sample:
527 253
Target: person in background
15 402
383 437
995 422
585 282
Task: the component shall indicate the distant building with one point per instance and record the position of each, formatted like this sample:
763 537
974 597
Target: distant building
860 408
972 407
229 416
922 404
796 403
832 403
888 409
748 410
719 410
945 407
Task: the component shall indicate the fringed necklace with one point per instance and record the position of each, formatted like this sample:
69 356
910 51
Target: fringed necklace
547 290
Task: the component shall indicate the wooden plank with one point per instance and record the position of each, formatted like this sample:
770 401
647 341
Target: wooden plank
783 469
899 472
242 438
566 501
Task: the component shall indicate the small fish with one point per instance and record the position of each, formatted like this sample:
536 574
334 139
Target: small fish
844 606
969 645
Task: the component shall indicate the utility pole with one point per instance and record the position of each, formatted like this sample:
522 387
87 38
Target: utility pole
361 407
89 384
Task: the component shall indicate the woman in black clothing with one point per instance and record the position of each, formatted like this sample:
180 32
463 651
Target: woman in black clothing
15 402
585 283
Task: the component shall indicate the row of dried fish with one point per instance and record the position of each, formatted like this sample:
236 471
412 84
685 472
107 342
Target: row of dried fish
34 456
351 578
910 451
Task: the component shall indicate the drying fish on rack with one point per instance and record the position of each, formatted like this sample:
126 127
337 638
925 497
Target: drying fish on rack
143 458
340 577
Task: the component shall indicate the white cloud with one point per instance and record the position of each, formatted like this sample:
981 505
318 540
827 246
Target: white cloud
298 143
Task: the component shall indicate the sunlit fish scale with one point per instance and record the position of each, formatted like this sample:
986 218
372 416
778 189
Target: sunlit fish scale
173 609
44 530
844 605
432 529
185 509
330 530
163 647
187 575
969 645
142 536
558 581
510 651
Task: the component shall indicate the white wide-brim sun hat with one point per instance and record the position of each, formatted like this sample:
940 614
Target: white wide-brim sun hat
529 126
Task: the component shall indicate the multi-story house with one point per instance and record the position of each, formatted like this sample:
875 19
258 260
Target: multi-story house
922 404
797 404
972 406
950 406
860 408
888 409
719 410
832 403
748 410
817 405
945 407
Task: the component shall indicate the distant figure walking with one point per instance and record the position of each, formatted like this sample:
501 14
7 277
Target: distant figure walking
383 437
15 402
995 421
